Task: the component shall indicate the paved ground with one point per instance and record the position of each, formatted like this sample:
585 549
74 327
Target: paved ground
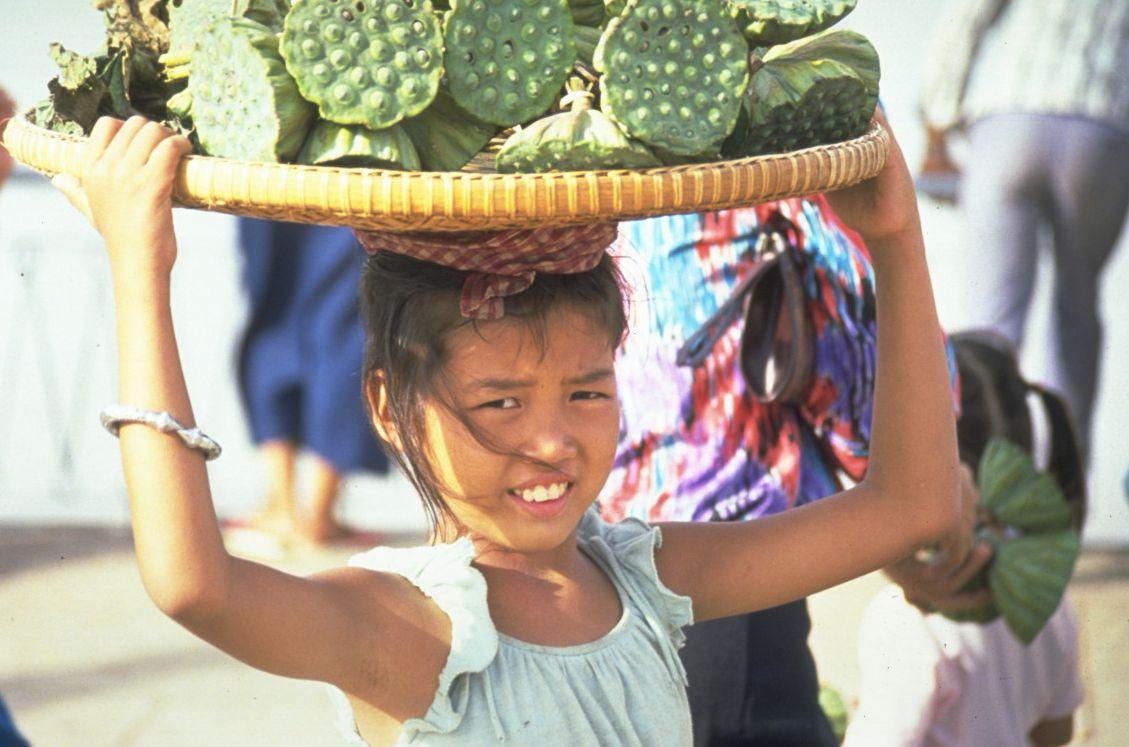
85 659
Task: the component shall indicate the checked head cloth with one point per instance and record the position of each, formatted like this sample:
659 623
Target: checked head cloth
500 263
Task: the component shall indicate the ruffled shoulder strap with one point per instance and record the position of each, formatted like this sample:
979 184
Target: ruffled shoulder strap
445 574
627 548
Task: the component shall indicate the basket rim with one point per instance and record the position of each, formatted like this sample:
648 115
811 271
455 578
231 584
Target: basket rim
469 200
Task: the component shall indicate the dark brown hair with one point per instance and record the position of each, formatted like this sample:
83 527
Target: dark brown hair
410 307
994 403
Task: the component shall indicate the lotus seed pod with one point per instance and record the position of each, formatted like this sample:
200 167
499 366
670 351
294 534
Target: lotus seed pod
447 137
365 62
683 43
768 22
188 19
587 12
820 89
586 40
180 105
496 48
245 105
581 139
356 146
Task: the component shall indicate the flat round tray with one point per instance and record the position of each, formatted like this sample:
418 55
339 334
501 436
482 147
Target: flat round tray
464 200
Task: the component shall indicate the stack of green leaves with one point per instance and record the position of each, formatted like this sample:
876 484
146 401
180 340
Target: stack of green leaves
429 84
1027 520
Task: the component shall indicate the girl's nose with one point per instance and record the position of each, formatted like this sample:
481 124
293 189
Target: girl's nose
550 440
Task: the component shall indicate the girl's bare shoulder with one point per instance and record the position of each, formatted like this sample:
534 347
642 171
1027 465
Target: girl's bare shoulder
400 639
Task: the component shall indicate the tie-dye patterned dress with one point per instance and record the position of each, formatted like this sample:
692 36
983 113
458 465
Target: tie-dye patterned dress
694 445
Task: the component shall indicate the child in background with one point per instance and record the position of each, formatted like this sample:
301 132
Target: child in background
528 619
928 680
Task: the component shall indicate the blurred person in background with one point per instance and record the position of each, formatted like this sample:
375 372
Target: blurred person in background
299 371
1038 89
928 680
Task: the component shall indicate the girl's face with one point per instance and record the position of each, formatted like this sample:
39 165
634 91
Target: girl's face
554 411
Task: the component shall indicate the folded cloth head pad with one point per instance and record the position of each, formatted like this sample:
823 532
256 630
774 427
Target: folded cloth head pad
500 263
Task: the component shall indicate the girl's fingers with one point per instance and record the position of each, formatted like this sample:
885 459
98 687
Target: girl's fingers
100 137
143 143
966 602
119 146
167 155
979 556
72 189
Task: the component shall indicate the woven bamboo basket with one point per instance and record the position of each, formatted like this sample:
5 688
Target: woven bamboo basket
465 200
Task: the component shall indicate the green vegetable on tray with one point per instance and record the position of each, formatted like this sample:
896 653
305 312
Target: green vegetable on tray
521 85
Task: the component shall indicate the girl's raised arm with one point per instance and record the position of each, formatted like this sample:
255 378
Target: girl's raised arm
354 628
910 494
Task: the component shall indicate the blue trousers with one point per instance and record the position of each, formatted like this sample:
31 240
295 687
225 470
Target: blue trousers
1030 176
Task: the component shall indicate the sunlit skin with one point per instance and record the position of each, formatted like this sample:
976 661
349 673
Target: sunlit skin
553 413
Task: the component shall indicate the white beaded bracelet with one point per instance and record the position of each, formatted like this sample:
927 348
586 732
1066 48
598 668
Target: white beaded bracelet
114 416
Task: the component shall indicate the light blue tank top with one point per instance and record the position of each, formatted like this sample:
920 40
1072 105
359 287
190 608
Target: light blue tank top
626 688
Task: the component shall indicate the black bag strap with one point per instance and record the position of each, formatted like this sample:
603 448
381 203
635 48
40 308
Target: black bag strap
770 245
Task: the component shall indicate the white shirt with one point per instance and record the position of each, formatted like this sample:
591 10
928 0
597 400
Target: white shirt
926 680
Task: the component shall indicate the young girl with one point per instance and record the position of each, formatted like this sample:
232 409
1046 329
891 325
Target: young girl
527 619
927 680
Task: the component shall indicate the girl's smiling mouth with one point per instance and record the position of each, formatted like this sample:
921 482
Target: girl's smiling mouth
542 498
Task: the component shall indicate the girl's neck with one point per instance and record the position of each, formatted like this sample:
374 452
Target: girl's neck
562 561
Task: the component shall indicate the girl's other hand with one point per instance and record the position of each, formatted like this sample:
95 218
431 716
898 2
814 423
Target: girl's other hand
941 585
128 172
885 206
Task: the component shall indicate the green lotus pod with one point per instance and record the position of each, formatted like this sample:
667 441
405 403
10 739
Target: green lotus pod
507 59
587 12
672 73
244 103
579 139
331 144
1017 494
366 62
613 8
180 105
446 137
768 22
1028 577
188 19
587 38
821 89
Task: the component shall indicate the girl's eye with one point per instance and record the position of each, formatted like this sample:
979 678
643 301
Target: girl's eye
588 395
506 403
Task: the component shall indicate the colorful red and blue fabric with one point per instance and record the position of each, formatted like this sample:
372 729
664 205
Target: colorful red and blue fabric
694 445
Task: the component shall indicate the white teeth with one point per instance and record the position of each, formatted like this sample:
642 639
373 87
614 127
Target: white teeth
541 493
